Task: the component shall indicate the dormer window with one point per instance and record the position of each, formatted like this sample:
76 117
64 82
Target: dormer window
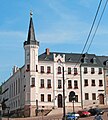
69 59
106 63
94 60
85 59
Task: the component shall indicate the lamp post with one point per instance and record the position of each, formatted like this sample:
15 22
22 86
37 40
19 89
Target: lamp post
64 112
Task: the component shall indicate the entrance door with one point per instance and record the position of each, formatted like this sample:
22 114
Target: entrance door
59 100
101 99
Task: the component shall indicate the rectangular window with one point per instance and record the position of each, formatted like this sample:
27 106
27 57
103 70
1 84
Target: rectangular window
76 98
59 84
48 69
100 83
86 82
48 83
93 83
75 71
85 70
92 70
49 98
75 84
100 70
42 97
42 69
86 96
93 96
42 83
69 70
69 84
33 82
59 70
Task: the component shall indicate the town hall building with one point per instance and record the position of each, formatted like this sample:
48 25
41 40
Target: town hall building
38 84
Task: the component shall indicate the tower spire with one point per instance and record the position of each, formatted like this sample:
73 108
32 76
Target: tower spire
31 33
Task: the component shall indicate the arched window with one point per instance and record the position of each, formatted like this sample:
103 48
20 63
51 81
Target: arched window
71 94
59 70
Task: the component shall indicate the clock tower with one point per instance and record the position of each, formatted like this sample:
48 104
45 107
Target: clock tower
31 47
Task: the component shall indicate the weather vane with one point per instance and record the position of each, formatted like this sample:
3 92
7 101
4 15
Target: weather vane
31 13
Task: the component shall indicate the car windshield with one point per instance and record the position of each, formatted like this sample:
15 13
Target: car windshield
98 109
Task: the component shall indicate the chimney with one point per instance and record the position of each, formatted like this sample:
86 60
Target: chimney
47 51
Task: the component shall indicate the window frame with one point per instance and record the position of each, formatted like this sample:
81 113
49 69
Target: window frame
42 69
42 83
33 82
86 96
48 83
49 97
69 84
42 97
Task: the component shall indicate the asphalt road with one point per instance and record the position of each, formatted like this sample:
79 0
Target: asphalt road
58 117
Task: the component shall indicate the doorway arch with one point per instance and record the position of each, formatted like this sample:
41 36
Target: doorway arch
59 100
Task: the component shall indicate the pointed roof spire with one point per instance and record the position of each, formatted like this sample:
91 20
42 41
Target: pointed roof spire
31 33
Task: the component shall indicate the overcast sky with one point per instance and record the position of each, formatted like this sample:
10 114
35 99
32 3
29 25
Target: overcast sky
61 25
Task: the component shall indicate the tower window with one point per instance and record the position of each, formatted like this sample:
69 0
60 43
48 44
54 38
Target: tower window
28 68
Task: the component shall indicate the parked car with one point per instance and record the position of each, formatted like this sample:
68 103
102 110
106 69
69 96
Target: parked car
72 116
84 113
95 111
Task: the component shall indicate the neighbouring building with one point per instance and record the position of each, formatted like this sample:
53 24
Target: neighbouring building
38 84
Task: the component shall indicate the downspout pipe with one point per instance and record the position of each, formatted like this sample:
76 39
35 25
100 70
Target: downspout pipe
81 87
